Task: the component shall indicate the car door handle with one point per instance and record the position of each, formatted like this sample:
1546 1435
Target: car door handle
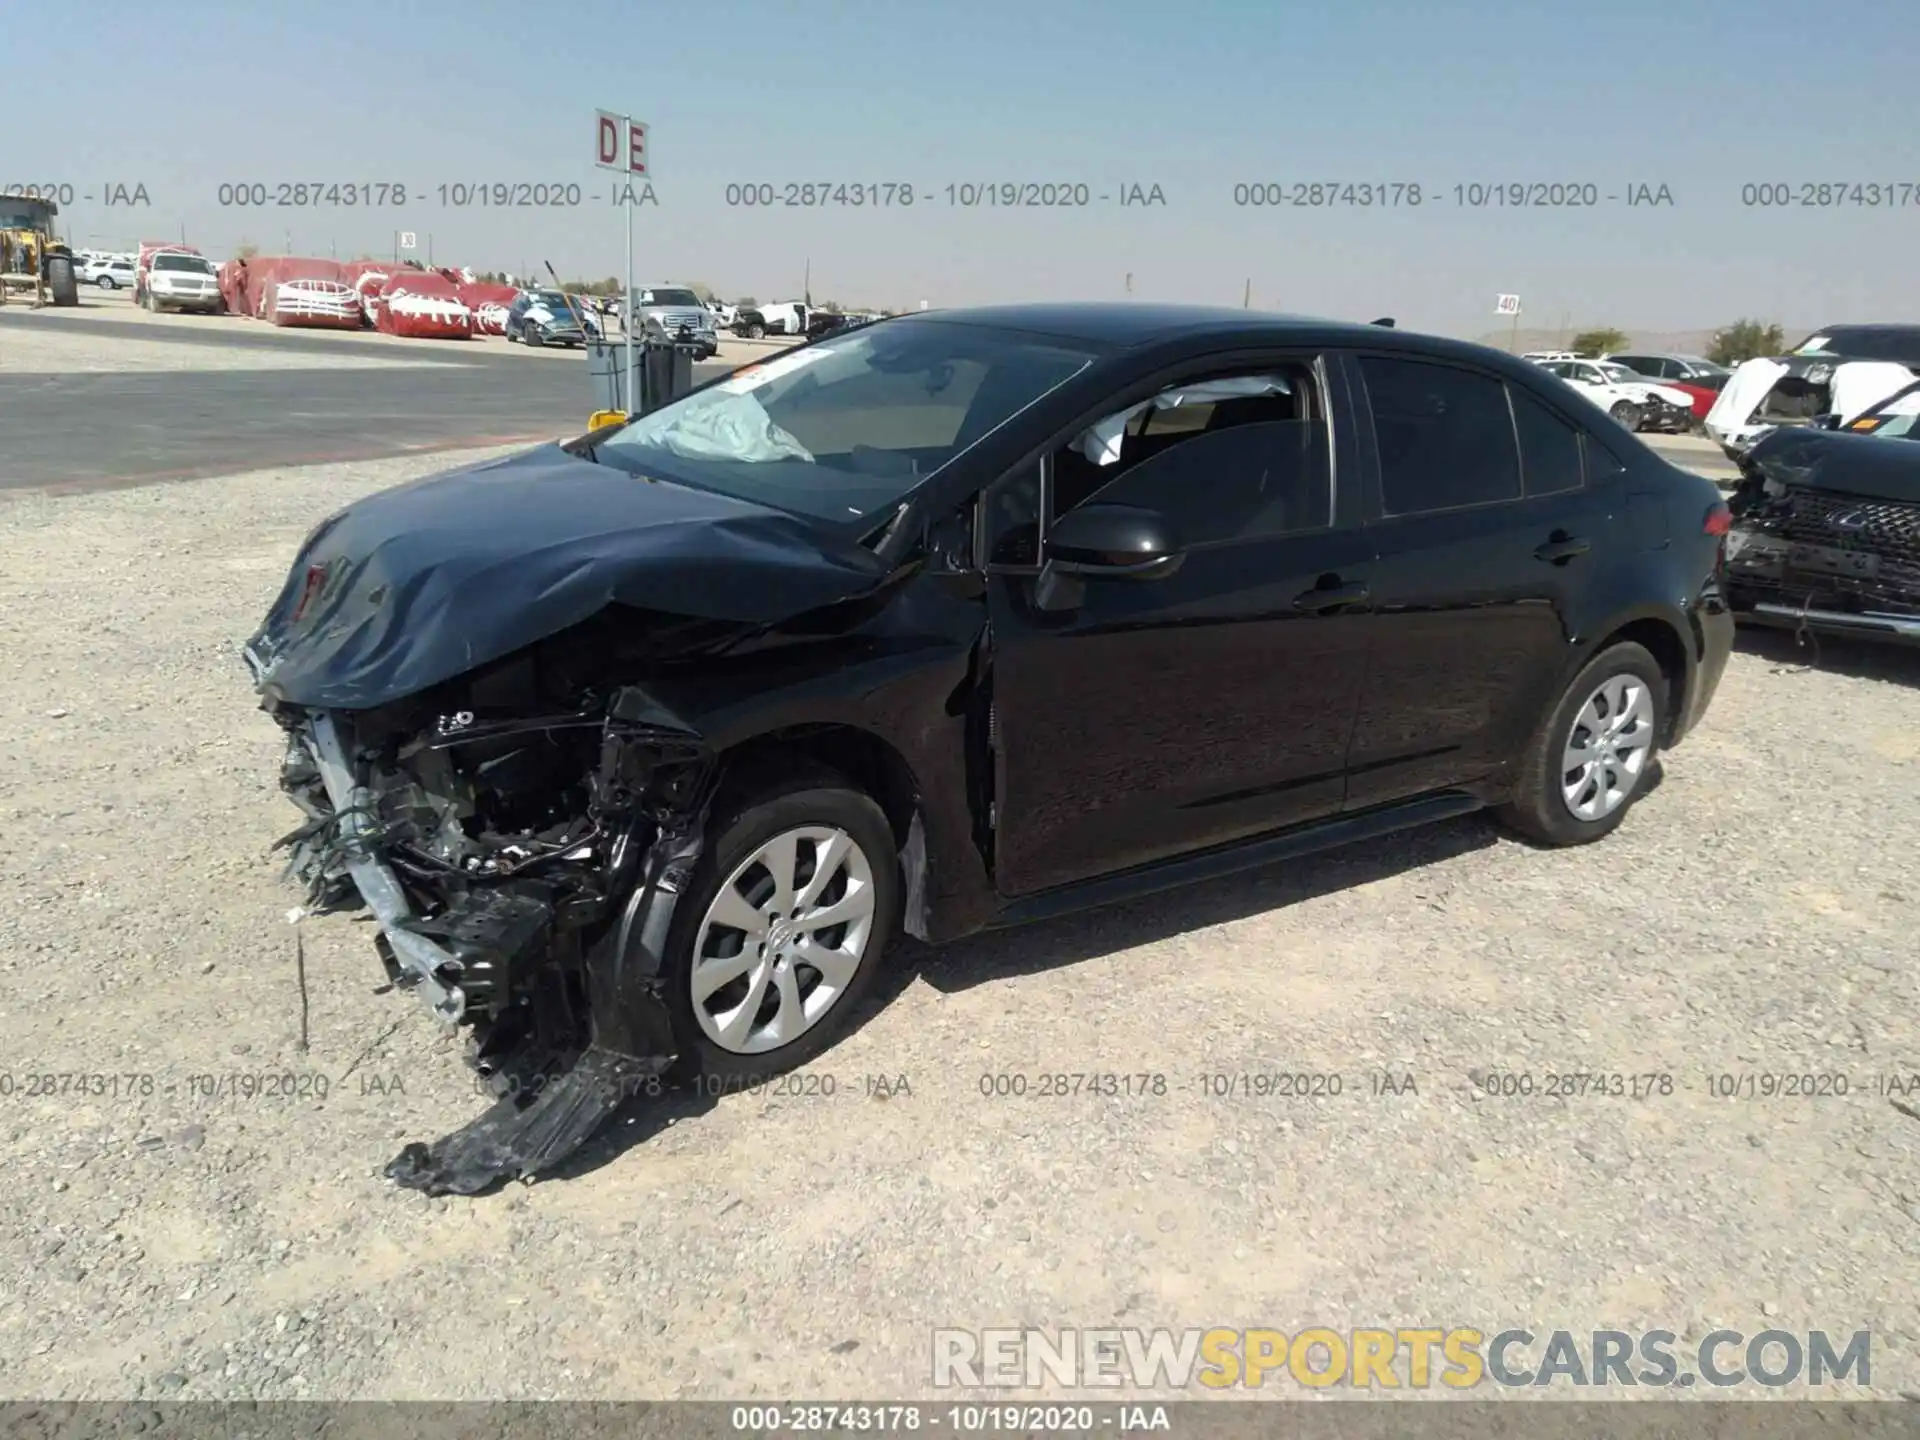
1330 597
1561 548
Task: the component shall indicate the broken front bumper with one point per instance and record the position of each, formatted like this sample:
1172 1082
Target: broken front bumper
557 969
1833 564
423 964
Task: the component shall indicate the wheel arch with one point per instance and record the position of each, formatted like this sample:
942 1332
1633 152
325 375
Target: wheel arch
863 757
1662 637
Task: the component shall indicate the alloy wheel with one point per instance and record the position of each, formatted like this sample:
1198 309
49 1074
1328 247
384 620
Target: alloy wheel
782 939
1607 748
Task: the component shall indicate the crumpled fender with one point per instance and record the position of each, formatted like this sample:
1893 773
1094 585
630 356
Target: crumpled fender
412 586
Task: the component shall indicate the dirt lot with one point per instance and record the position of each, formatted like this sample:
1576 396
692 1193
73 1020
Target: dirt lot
1756 915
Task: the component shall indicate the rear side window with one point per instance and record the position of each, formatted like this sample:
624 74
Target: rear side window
1445 436
1549 447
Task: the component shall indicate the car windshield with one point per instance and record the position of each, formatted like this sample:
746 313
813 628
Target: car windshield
845 427
191 263
669 297
554 301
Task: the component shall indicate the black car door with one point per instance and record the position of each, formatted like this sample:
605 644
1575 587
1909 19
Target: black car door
1136 719
1478 559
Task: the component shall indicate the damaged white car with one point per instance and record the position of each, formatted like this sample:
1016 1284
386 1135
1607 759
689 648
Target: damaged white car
1842 371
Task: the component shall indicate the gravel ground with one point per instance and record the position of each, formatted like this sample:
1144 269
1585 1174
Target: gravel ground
1755 915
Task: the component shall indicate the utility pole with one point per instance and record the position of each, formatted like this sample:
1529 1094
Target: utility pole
806 286
1246 296
1129 282
429 249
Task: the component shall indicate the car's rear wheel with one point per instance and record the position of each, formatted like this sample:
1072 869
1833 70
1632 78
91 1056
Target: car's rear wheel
1593 756
105 282
781 929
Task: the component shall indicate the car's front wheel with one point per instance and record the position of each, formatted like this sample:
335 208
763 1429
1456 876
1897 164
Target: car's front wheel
782 928
1627 413
1595 753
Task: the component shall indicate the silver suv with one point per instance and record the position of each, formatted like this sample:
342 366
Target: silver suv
674 312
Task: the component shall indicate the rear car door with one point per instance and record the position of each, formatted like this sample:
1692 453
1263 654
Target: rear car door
1142 719
1483 531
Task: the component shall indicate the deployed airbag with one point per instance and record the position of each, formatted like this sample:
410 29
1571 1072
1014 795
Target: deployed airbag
1100 442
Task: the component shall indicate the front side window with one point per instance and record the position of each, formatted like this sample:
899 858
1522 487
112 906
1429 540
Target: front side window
847 426
1238 457
1445 436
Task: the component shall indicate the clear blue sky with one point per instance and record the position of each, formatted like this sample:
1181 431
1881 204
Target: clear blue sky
1702 96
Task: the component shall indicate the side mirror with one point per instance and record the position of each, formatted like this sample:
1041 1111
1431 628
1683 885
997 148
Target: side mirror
1117 541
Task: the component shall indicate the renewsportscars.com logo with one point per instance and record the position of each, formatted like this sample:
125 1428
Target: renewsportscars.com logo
1414 1358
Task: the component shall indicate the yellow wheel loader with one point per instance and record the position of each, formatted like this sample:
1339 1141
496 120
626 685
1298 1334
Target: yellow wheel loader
32 261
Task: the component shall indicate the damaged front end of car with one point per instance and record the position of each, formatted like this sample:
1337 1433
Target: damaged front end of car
462 669
522 870
1826 536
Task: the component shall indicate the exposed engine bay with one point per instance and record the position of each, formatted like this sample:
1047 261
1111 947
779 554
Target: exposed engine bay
522 856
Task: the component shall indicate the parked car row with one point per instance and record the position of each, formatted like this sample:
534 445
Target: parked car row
108 272
1637 402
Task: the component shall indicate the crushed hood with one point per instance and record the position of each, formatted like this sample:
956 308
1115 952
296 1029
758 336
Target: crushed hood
1832 460
413 586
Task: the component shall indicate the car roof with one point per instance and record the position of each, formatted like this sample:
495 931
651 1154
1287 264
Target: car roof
1119 325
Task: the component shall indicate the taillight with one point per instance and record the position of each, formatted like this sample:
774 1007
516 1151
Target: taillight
1719 519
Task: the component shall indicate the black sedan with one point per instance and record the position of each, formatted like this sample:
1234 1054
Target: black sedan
642 748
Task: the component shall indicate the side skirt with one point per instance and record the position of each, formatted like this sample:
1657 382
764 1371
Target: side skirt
1231 859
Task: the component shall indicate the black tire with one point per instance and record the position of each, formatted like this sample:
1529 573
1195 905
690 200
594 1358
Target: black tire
755 332
1627 413
1537 809
62 282
531 338
812 798
106 282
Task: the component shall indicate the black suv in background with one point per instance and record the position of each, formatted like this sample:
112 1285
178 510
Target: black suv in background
951 621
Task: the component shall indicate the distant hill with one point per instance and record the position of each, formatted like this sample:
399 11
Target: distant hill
1659 342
